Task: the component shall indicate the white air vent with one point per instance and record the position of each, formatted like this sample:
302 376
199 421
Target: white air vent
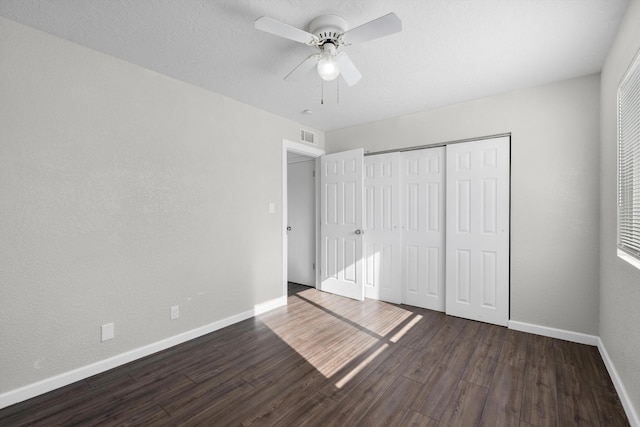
306 136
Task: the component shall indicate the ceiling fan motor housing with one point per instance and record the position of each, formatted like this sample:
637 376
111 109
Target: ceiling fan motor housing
329 29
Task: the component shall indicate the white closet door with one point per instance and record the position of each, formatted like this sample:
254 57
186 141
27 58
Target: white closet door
478 230
423 228
341 195
382 255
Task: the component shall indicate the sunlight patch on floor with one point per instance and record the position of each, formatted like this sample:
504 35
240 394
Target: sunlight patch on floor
406 328
349 376
356 334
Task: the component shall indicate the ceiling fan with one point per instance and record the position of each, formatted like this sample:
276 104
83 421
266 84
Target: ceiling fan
328 33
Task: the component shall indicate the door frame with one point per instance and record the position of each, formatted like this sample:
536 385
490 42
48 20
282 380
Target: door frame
311 152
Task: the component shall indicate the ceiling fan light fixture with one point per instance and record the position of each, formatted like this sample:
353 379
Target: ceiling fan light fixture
328 68
327 33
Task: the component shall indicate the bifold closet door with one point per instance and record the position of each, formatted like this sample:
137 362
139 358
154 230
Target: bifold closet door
423 228
381 223
477 231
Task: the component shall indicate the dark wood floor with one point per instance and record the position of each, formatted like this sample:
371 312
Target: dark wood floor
329 361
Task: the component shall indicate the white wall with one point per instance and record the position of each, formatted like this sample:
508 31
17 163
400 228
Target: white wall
619 281
124 192
554 188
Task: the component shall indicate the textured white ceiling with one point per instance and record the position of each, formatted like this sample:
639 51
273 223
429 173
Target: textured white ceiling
449 50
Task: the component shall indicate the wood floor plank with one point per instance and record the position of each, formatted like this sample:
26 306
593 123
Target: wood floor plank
244 361
92 399
385 318
416 419
260 396
540 398
466 405
205 401
575 400
568 353
308 413
138 400
358 400
436 392
359 369
485 357
609 408
286 405
61 400
421 334
595 370
137 416
325 360
433 353
391 407
514 350
504 400
188 361
441 381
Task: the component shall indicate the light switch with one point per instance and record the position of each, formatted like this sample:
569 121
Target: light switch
107 331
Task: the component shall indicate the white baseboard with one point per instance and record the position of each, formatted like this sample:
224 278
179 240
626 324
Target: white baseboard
561 334
632 415
32 390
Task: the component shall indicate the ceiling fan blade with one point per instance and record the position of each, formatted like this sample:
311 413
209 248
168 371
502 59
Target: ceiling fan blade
348 70
272 26
303 68
383 26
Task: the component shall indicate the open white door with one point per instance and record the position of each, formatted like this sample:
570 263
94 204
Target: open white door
477 241
341 218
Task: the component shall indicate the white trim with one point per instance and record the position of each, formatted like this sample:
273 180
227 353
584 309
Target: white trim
628 258
632 415
306 150
35 389
562 334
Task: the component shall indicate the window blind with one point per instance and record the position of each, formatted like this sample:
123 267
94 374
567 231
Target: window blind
629 161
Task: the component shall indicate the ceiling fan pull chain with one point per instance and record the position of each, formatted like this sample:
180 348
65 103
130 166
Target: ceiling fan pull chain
338 91
321 92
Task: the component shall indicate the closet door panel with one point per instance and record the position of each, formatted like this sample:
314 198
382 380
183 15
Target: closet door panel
382 236
423 216
477 238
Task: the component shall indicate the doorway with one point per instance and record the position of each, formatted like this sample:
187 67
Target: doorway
301 229
299 202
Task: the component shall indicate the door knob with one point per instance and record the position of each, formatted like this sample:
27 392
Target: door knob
359 231
289 228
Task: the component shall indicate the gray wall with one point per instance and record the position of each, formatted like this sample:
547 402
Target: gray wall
620 282
554 188
124 192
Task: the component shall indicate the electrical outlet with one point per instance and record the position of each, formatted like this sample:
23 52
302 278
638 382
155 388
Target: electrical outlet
175 312
108 331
